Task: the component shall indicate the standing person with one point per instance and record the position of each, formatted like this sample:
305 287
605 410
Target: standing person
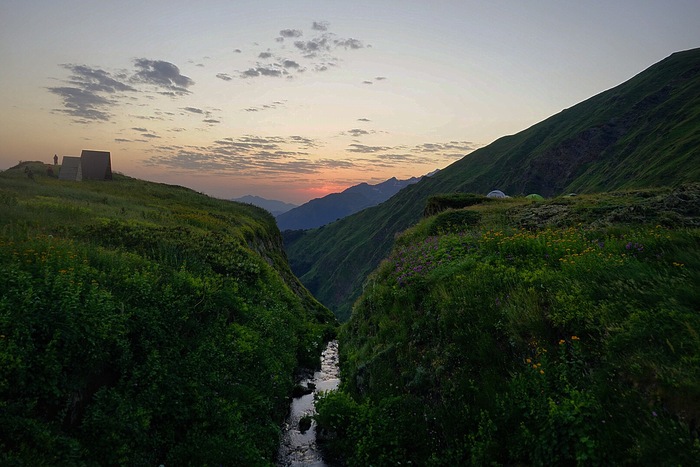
55 159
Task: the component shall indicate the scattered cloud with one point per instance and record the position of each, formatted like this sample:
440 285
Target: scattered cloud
317 53
367 82
163 75
270 70
247 155
90 92
364 120
356 132
451 149
140 129
290 33
193 110
380 78
349 43
361 148
122 140
85 105
211 120
96 80
224 76
237 51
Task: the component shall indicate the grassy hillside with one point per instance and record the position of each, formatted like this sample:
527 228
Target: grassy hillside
529 333
144 324
642 133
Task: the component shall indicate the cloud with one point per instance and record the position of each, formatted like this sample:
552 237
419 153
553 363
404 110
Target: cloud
290 33
122 140
320 25
193 110
140 129
95 79
237 51
224 76
461 147
380 78
367 82
269 70
264 55
290 64
272 105
361 148
349 43
149 135
356 132
83 104
90 93
211 120
314 46
421 154
162 74
247 155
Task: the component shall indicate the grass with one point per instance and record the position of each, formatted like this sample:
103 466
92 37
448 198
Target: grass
143 323
529 338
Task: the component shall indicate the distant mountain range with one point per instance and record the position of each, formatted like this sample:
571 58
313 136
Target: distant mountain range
322 211
273 206
642 133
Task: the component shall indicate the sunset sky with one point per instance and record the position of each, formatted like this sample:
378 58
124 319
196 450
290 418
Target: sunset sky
292 100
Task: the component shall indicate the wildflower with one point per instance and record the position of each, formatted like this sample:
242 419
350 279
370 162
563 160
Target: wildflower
561 341
541 372
574 338
529 360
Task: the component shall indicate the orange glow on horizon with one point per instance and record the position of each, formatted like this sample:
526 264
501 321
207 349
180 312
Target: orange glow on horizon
320 191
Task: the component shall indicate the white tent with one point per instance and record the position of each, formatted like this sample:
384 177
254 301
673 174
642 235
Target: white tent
496 194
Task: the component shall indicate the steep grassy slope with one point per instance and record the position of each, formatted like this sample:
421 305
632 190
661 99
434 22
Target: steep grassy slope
144 324
642 133
518 333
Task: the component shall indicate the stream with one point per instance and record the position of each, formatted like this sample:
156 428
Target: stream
298 448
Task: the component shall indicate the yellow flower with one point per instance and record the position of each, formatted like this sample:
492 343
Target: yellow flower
529 360
541 372
562 341
574 338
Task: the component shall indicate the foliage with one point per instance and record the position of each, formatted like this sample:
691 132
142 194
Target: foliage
144 324
438 203
573 344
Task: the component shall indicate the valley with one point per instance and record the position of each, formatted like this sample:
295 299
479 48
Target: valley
148 324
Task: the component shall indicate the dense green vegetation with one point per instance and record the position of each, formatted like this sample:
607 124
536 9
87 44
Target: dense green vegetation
529 333
642 133
144 324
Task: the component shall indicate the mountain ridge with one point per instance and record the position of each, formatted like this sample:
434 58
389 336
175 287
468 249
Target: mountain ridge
273 206
644 132
335 206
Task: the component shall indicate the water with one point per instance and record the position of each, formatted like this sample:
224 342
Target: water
296 448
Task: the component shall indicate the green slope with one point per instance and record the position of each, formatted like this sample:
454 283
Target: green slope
144 324
642 133
563 332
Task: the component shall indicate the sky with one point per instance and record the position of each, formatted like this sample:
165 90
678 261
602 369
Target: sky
292 100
